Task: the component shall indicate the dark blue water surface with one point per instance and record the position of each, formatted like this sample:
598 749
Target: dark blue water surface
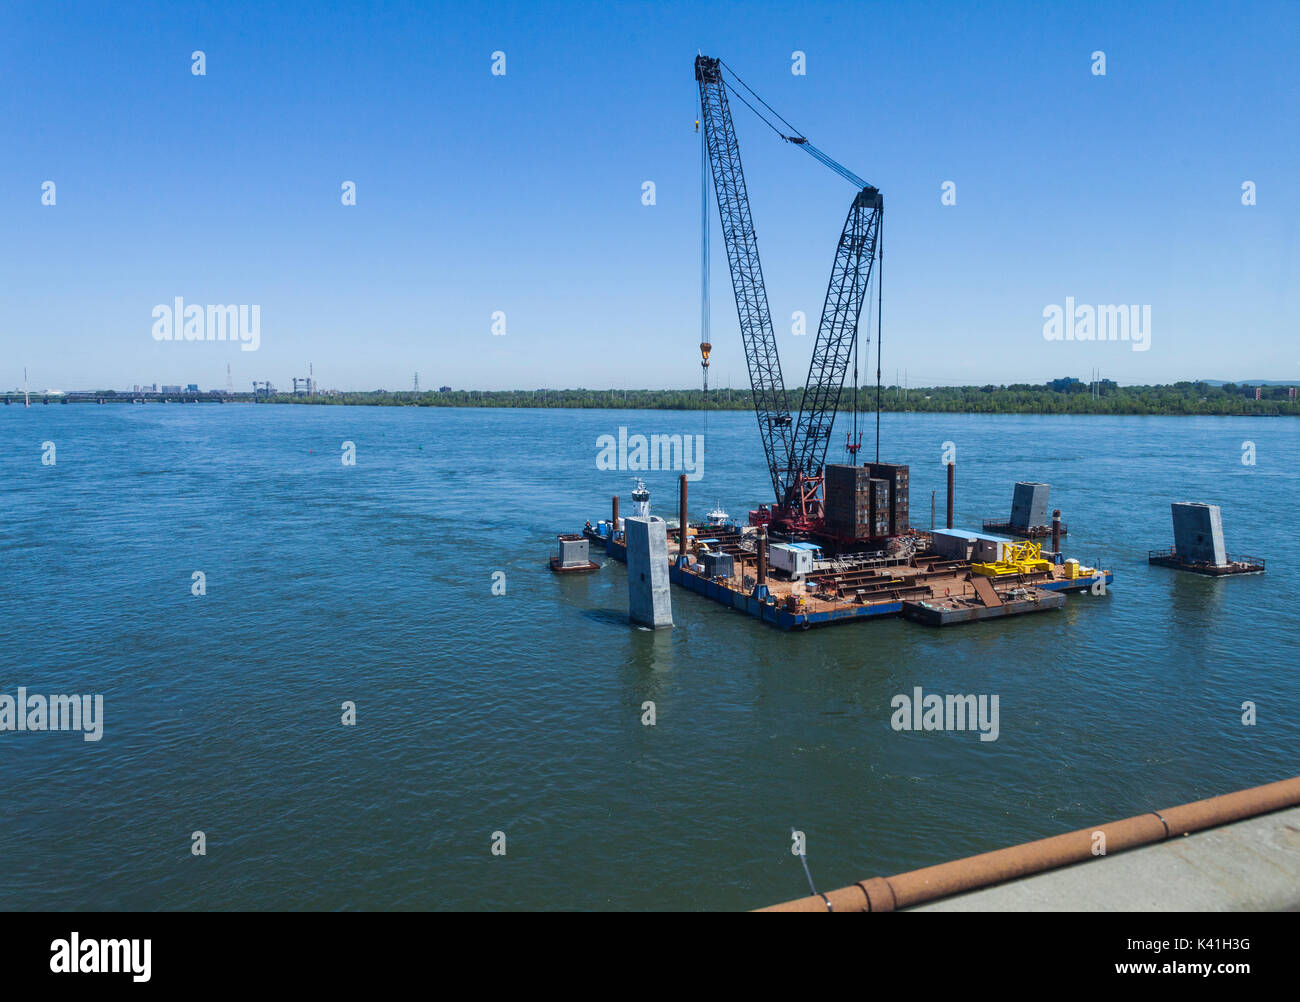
522 713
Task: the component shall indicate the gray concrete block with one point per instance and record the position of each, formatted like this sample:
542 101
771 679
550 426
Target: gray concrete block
1029 505
575 551
1198 532
649 602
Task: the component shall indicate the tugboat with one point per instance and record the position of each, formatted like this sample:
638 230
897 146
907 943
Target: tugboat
640 499
603 530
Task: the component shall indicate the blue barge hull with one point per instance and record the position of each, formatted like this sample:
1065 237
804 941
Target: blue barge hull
783 619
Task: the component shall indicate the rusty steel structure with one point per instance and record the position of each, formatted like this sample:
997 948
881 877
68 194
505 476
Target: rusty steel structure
952 476
905 890
681 515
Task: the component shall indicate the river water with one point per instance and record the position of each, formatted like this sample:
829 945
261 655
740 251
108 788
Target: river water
521 713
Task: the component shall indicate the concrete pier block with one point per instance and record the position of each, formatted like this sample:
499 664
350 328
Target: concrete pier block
1198 532
574 551
649 602
1029 505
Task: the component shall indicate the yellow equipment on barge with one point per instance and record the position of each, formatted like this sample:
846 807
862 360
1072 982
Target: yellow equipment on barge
1017 558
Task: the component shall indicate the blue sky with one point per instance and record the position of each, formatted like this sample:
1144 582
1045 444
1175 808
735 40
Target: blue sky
522 193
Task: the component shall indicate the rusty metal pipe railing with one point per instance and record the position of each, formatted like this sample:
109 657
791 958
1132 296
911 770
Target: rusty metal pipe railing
884 894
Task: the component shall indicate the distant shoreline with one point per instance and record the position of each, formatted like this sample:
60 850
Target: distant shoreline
1176 399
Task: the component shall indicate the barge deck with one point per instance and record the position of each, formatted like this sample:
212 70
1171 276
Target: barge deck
923 587
1233 565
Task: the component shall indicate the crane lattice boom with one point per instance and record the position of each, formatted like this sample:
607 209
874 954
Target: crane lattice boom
795 450
757 336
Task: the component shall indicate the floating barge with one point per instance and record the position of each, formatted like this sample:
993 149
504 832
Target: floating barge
957 609
1028 519
1232 565
573 557
861 562
722 563
1005 528
1198 544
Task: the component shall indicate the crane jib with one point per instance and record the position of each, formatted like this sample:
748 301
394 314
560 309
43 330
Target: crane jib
757 335
795 447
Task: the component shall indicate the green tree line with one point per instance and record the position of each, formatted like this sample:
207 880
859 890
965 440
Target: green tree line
1015 398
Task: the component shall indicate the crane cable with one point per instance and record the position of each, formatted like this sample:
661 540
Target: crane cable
797 139
705 308
856 380
880 308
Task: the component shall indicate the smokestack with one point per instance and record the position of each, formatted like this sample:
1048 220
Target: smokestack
952 471
682 514
1056 531
614 528
762 556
